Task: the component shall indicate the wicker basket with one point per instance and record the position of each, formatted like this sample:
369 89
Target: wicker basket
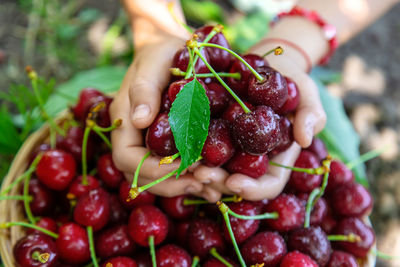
11 210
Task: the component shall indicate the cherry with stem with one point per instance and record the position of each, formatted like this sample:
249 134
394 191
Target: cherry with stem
309 206
224 210
29 225
178 72
27 207
152 251
89 230
216 255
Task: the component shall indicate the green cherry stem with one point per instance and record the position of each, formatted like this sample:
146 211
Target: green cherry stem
169 159
152 251
113 126
309 206
326 163
41 257
29 225
26 174
234 75
191 62
17 197
347 238
384 256
104 138
188 201
137 171
89 230
216 255
366 157
255 73
268 215
316 171
165 177
27 207
86 134
195 261
243 105
224 210
277 51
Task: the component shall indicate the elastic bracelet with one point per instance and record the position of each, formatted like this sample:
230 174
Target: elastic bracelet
328 29
284 42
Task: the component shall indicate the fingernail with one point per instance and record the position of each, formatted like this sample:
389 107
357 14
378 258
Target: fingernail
142 111
236 190
191 190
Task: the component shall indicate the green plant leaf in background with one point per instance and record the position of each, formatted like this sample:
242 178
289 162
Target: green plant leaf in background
106 79
339 136
189 119
202 12
9 136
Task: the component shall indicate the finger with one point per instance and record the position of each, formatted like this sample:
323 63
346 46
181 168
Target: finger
210 194
269 185
310 117
151 77
213 176
186 184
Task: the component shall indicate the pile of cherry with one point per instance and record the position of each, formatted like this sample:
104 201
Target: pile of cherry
83 218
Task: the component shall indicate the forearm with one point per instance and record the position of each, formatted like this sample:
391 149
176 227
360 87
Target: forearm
151 20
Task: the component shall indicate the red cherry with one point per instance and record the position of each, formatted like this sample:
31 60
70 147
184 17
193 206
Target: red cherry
234 110
107 171
159 137
93 209
181 232
213 262
250 165
72 143
342 259
218 97
297 259
293 98
28 246
319 210
120 262
264 247
351 200
37 150
144 198
357 227
318 148
174 207
85 100
291 213
46 223
143 259
173 256
203 235
328 222
56 169
77 189
146 221
181 61
165 102
118 214
114 242
339 175
73 244
286 138
42 198
218 147
242 229
302 181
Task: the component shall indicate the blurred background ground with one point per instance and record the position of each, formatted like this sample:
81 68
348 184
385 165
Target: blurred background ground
61 39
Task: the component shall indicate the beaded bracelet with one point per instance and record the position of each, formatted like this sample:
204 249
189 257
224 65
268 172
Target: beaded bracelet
328 29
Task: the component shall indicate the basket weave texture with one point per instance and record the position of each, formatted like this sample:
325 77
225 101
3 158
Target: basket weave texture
11 210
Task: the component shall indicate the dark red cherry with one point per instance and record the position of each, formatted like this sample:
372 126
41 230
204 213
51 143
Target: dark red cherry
165 102
40 148
42 198
118 214
342 259
291 213
272 91
250 165
286 138
297 259
181 61
218 97
144 198
329 221
311 241
351 200
218 147
174 207
73 244
93 209
119 262
27 250
46 223
143 259
146 221
86 98
72 143
107 171
219 59
159 137
302 181
181 232
339 175
257 132
204 235
264 247
241 85
56 169
114 242
77 189
172 256
318 148
235 110
242 229
102 117
293 98
213 262
357 227
319 210
175 87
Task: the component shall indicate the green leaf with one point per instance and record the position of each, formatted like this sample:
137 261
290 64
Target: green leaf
106 79
189 119
202 11
9 137
339 136
327 76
